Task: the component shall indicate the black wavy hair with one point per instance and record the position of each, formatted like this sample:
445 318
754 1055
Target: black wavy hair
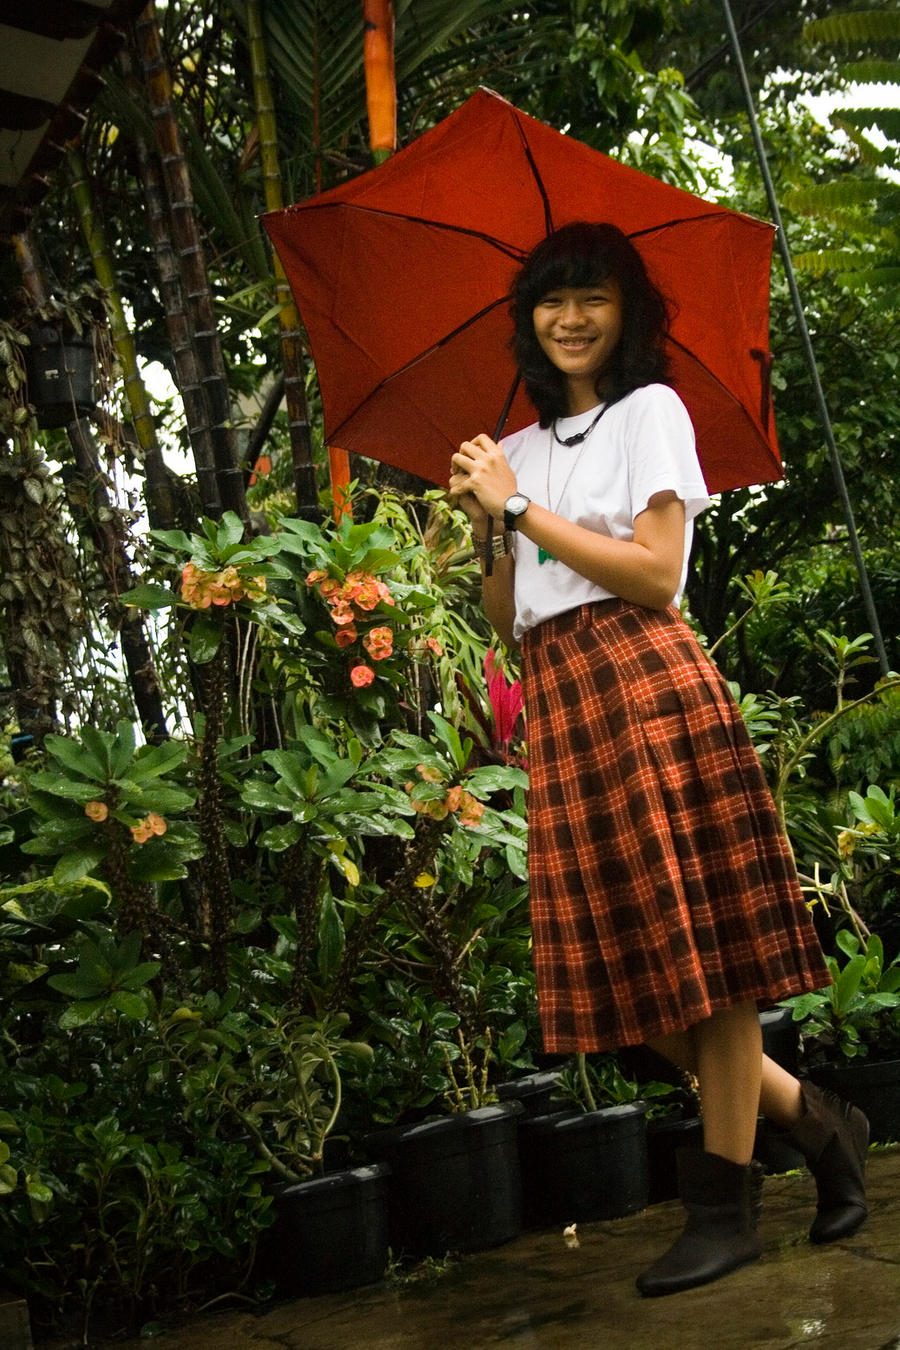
584 254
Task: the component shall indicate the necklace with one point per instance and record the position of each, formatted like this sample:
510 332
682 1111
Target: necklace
580 436
579 439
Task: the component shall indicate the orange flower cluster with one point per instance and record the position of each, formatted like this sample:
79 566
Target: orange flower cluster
201 589
350 603
148 827
455 801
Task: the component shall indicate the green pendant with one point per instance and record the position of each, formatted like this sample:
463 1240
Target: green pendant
544 556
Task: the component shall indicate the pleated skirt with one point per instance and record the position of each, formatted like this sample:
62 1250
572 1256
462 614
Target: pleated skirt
662 887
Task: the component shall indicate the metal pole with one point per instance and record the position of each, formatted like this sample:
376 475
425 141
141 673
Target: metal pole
836 466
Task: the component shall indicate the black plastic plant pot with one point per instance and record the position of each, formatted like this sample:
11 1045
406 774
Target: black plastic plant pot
454 1183
60 374
873 1086
584 1165
330 1233
535 1092
781 1037
665 1136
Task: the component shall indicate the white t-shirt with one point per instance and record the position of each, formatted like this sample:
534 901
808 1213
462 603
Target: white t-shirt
642 445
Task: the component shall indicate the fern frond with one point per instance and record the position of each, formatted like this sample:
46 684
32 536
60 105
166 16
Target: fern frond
869 25
887 120
872 71
844 260
869 152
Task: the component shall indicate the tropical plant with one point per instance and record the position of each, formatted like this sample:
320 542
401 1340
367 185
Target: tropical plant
862 202
858 1014
590 1083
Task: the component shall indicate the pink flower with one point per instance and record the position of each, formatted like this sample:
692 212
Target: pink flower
432 645
345 637
342 614
453 799
379 643
505 699
156 824
96 810
315 576
472 810
141 832
361 676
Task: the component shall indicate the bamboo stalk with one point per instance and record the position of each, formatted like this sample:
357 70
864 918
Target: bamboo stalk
288 316
160 500
178 326
191 261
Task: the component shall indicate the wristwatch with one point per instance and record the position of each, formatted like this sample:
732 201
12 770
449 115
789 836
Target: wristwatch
513 507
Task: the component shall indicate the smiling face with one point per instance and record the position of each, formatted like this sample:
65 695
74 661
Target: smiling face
578 328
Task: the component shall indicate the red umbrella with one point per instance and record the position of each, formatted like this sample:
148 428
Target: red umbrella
403 275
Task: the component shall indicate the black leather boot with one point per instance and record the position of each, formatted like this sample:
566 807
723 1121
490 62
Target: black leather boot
833 1137
723 1201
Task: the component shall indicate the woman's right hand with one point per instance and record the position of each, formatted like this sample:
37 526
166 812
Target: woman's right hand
463 497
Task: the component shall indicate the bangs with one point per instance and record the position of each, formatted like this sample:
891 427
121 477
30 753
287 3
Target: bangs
577 270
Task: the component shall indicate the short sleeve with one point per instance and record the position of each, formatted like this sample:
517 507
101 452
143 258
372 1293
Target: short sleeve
662 452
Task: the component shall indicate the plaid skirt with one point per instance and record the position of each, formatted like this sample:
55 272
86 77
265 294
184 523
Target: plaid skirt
662 888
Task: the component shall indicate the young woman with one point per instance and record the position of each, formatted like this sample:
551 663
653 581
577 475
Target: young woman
665 905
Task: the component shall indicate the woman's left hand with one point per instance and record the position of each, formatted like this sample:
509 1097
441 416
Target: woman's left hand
480 467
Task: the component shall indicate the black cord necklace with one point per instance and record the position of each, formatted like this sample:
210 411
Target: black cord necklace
579 439
579 436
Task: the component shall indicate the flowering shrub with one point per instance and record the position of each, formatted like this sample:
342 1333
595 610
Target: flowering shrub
200 589
351 604
455 801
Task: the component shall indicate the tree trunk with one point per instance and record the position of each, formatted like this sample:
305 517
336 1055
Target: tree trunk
192 263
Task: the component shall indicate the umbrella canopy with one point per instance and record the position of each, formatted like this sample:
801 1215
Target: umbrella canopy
403 276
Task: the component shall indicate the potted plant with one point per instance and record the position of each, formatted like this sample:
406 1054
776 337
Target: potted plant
589 1161
455 1182
274 1075
60 358
850 1031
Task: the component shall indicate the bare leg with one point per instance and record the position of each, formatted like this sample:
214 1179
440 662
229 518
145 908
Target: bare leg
779 1099
729 1071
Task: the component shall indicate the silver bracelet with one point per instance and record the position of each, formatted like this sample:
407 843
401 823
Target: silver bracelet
500 545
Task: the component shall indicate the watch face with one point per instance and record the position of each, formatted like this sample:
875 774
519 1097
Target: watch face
516 504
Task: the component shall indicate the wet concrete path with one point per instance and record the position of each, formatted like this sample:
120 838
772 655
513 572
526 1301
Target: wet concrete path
537 1293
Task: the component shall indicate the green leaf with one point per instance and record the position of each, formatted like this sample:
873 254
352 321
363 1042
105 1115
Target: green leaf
78 759
331 937
79 984
130 1005
38 1190
149 596
152 761
100 744
76 864
230 532
174 539
82 1014
263 796
281 837
205 638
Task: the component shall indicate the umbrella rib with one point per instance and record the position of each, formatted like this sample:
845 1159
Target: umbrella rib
704 367
539 182
510 250
414 361
678 220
